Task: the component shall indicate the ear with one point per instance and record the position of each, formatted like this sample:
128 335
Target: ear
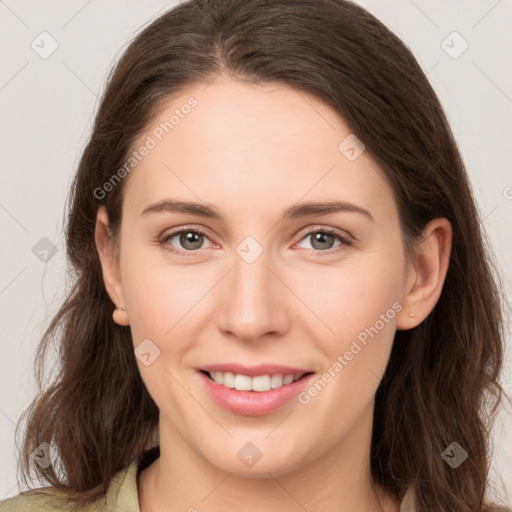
426 274
110 265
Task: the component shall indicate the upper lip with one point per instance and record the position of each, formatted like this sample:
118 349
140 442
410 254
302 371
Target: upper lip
253 371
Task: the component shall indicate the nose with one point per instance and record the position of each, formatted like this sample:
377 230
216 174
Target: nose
254 300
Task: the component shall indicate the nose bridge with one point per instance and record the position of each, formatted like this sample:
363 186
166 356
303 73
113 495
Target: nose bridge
252 304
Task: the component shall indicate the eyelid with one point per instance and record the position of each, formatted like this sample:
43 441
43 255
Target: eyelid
341 233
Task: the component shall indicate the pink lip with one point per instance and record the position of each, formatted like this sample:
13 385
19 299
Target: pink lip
253 371
254 403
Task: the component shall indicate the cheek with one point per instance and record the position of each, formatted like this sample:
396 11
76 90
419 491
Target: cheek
167 303
360 309
352 297
357 305
160 299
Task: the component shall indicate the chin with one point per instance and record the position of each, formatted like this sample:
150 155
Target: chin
254 459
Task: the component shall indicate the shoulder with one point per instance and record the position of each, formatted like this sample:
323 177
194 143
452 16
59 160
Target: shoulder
44 499
121 496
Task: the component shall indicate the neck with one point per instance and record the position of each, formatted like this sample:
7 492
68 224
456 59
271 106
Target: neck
337 480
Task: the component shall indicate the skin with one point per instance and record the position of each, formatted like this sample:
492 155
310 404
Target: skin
252 151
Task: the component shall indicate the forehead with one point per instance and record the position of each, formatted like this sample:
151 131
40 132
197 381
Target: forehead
242 146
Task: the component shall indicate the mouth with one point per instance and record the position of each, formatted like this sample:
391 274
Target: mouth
257 383
252 395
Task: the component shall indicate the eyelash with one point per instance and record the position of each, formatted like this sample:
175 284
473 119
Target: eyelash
345 242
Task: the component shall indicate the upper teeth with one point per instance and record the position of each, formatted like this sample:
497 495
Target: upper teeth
258 383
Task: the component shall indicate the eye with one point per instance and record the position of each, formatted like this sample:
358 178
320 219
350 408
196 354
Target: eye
322 241
190 240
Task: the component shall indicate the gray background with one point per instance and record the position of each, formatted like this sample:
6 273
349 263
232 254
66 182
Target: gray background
47 107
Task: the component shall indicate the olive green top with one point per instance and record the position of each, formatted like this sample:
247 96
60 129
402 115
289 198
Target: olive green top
121 495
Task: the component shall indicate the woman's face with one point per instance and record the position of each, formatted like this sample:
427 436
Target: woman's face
262 290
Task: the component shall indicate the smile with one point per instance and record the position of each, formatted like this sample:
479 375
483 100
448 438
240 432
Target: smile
258 383
253 395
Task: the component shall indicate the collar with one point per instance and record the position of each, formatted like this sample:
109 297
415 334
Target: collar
122 494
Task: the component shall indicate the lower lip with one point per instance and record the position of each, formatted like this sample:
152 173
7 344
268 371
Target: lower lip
253 403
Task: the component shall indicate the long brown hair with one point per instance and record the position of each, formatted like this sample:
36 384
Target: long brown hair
441 384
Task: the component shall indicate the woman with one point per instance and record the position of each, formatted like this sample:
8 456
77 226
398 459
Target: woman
347 374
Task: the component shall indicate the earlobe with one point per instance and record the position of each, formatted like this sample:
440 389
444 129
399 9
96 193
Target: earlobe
427 273
110 266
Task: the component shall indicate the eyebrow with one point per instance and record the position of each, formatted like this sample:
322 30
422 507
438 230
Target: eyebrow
292 212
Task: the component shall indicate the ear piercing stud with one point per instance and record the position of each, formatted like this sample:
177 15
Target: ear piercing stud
120 310
411 315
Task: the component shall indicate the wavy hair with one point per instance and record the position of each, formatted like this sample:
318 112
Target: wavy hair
442 381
